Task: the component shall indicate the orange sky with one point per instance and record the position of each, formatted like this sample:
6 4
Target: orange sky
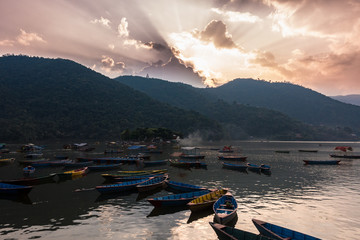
315 44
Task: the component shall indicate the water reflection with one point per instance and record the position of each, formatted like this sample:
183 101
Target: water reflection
318 200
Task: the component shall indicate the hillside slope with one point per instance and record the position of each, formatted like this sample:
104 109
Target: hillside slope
239 121
56 98
295 101
351 99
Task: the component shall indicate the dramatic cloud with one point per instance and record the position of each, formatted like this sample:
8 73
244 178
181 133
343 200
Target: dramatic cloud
312 43
108 64
123 28
216 32
26 38
238 16
103 21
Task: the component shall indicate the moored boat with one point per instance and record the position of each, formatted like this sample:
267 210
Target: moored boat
7 160
232 158
225 208
206 201
73 173
78 164
187 164
309 151
103 167
28 170
230 233
13 189
182 187
28 181
126 178
119 187
154 163
253 167
324 162
345 156
152 184
176 199
280 233
232 166
142 172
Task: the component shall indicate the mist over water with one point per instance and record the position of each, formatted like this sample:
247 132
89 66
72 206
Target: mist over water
320 200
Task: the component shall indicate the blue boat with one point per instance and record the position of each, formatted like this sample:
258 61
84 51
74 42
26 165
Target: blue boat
280 233
225 208
111 160
78 164
187 164
103 167
182 187
176 199
324 162
154 163
117 178
152 184
253 167
120 187
55 163
231 166
28 170
13 189
230 233
28 181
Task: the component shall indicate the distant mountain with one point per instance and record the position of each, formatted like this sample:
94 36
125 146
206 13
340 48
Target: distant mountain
239 121
295 101
56 98
351 99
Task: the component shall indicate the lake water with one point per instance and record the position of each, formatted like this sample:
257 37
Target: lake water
320 200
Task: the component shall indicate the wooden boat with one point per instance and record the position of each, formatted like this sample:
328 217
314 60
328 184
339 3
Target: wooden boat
102 167
13 189
191 153
182 187
126 178
73 174
143 172
226 149
253 167
115 151
33 155
28 170
50 163
187 164
28 181
152 184
282 151
325 162
7 160
110 160
176 199
154 163
234 166
265 167
232 158
345 156
309 151
206 201
76 172
78 164
120 187
31 161
280 233
230 233
225 208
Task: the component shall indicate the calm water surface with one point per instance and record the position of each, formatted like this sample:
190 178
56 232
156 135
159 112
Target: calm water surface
322 201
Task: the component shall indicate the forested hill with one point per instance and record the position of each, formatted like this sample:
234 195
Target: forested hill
239 121
56 98
297 102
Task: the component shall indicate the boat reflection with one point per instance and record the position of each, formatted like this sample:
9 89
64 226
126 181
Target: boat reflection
232 223
143 195
157 211
104 197
24 199
200 214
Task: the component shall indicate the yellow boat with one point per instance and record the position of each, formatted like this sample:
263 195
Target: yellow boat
7 160
78 172
207 200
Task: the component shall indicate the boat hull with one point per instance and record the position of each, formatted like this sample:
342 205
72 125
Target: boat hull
224 213
176 199
206 201
328 162
229 233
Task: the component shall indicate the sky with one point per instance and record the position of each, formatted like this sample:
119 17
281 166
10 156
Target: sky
205 43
